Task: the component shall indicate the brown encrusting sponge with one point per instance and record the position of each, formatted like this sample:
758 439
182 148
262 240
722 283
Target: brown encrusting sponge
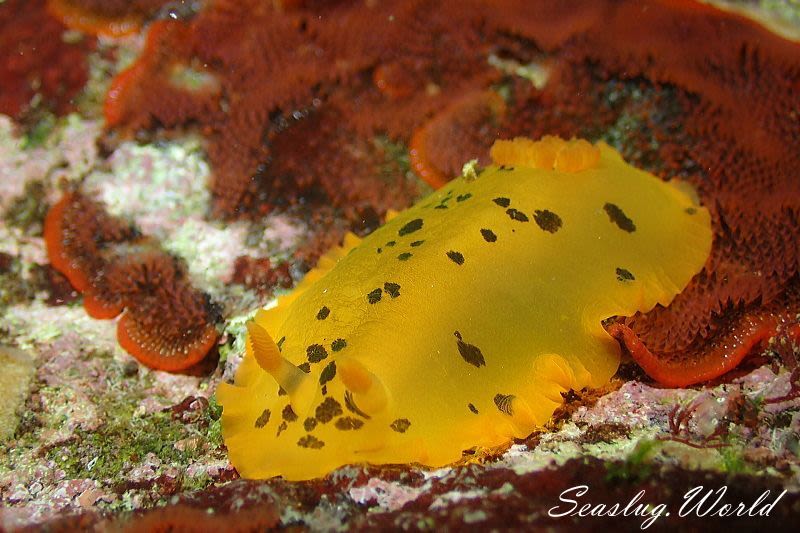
166 323
682 89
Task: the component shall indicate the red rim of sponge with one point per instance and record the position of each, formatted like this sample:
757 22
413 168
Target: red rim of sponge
141 350
160 346
53 237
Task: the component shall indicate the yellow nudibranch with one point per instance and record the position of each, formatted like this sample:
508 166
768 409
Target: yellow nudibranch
462 320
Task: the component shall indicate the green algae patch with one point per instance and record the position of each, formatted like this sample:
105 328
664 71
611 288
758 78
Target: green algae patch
28 210
128 438
14 288
18 368
637 466
106 453
214 416
733 461
40 132
396 158
101 422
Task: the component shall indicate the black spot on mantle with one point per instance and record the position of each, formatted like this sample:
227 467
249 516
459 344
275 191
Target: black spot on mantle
392 289
547 220
288 414
263 418
374 296
328 410
328 373
310 442
411 227
519 216
347 423
624 274
618 217
503 403
456 257
469 352
488 235
400 425
316 353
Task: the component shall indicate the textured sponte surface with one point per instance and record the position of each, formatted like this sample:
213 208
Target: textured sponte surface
461 321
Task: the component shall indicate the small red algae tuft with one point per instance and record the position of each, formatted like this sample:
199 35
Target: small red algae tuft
260 274
36 60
